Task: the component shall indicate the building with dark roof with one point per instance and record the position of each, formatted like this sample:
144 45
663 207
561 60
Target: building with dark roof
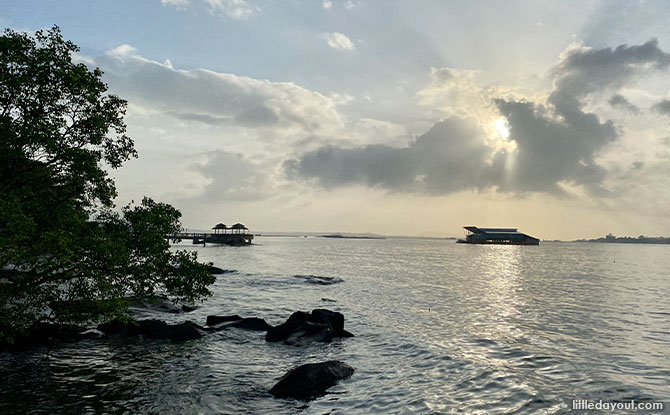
497 236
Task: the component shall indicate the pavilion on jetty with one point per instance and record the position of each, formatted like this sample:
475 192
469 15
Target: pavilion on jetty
235 235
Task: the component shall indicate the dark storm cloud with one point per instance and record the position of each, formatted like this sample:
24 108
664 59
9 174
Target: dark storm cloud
555 143
551 150
583 71
618 101
433 163
662 107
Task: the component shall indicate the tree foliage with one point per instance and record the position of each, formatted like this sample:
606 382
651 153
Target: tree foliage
65 255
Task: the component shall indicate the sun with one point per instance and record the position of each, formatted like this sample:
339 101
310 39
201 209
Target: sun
502 128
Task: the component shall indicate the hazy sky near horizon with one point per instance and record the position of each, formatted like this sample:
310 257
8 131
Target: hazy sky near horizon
392 117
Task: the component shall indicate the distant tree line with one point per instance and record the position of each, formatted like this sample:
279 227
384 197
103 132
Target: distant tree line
609 238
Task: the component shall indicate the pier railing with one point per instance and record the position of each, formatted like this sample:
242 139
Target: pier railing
241 238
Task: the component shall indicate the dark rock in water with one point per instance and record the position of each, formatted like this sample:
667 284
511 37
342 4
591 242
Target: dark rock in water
153 302
251 323
91 334
187 308
218 271
345 333
214 320
315 279
153 329
282 331
43 335
309 333
309 381
303 328
333 319
328 300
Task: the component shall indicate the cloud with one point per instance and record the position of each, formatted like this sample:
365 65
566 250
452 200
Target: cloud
552 150
618 101
453 92
327 4
216 98
179 4
435 162
585 70
232 177
122 51
662 107
551 146
338 41
236 9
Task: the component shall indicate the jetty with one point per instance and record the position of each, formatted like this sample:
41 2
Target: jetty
223 235
497 236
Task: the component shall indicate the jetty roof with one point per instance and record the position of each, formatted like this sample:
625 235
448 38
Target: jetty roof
220 226
475 229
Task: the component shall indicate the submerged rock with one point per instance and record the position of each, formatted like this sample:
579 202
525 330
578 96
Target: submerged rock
218 271
248 323
214 320
303 328
316 279
251 323
153 329
153 302
43 335
188 308
309 381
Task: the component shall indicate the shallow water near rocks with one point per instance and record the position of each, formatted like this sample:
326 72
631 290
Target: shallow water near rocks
440 328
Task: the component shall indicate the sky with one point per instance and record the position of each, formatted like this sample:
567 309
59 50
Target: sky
389 117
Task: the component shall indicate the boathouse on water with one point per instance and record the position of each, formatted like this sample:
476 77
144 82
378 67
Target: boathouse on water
498 236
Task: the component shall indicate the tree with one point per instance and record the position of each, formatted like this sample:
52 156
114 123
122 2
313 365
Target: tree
65 255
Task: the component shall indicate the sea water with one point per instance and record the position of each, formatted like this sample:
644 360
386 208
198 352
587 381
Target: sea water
440 328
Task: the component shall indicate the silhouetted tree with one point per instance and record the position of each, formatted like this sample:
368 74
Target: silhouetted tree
65 255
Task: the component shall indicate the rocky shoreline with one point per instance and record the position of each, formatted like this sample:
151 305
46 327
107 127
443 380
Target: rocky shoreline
304 382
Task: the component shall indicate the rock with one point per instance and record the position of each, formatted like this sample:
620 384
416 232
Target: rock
251 323
309 381
218 271
309 333
316 279
43 335
303 328
333 319
214 320
153 329
153 302
91 334
187 308
293 324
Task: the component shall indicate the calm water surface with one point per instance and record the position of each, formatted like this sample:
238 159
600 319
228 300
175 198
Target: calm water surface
440 328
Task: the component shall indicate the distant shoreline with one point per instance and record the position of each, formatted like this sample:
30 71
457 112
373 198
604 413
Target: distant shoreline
338 236
647 240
